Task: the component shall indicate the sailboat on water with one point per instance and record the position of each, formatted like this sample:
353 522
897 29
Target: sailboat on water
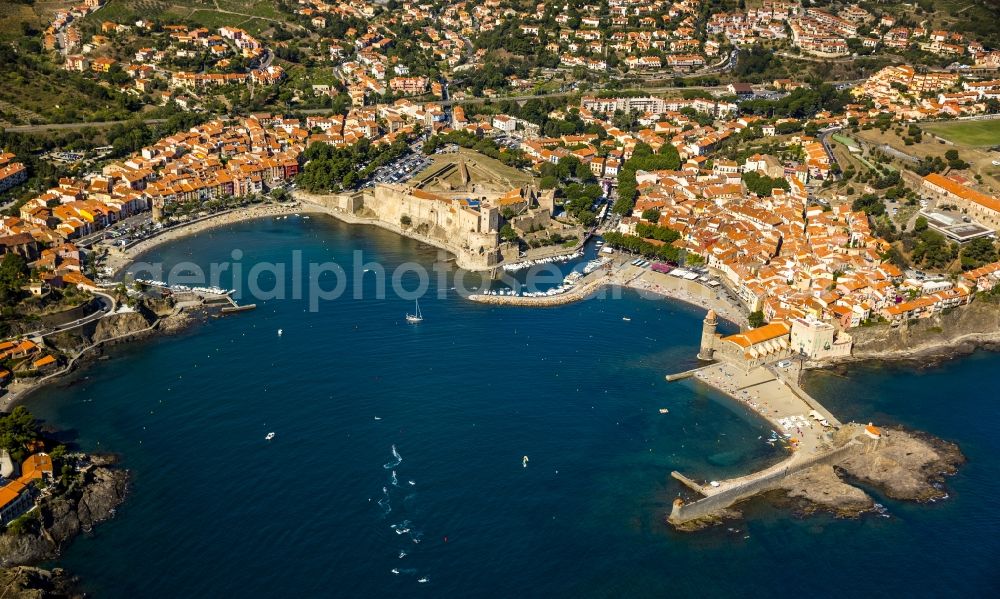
415 318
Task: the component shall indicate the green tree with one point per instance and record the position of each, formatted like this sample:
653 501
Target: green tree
13 275
17 429
978 252
869 203
651 214
756 319
507 233
763 185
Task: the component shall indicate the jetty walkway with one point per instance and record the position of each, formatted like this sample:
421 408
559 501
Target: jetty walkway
591 283
772 394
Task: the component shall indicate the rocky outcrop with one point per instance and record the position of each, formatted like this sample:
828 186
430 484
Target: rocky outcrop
820 489
902 465
906 465
25 582
114 326
61 517
959 330
66 517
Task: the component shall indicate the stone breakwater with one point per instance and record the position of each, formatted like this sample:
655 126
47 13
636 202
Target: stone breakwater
903 465
578 292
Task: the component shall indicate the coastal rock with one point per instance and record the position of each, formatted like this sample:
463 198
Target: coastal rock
62 517
952 332
25 582
709 521
905 465
819 488
119 325
176 322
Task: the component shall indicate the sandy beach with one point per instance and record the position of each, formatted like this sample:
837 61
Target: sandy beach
689 292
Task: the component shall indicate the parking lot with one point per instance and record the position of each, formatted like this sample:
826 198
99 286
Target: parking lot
401 169
121 233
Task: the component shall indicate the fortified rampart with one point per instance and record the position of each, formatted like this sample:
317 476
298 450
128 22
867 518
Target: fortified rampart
435 226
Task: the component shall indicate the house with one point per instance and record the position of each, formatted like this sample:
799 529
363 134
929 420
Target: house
740 90
12 174
504 123
16 497
102 64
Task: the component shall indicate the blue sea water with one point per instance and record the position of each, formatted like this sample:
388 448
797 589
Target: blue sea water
447 409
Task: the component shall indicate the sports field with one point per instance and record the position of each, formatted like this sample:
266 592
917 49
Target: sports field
968 133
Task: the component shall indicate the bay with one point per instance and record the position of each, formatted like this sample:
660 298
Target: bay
463 397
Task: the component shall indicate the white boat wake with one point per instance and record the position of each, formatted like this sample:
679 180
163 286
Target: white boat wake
397 459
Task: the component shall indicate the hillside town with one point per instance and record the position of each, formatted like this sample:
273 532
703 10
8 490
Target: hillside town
747 179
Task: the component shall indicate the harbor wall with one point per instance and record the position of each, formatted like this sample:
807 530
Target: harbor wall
714 504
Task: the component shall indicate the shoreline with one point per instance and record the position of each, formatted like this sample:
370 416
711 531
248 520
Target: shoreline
928 355
120 259
86 356
671 288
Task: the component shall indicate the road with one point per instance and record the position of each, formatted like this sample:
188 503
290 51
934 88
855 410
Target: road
70 126
108 305
445 103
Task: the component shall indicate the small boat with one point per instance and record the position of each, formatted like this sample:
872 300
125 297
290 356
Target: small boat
415 318
664 411
626 319
280 332
269 436
524 462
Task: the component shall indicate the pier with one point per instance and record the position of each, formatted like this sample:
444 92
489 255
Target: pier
771 393
584 288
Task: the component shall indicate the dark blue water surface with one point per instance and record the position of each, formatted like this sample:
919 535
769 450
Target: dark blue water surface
215 509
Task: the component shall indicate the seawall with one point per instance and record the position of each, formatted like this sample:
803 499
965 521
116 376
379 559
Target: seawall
713 505
580 291
334 205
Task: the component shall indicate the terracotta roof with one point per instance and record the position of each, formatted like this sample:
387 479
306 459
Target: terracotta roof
760 334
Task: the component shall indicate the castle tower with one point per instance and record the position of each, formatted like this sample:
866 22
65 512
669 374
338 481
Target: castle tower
708 326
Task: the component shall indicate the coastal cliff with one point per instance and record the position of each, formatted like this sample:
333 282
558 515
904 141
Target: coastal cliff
956 331
90 498
25 582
